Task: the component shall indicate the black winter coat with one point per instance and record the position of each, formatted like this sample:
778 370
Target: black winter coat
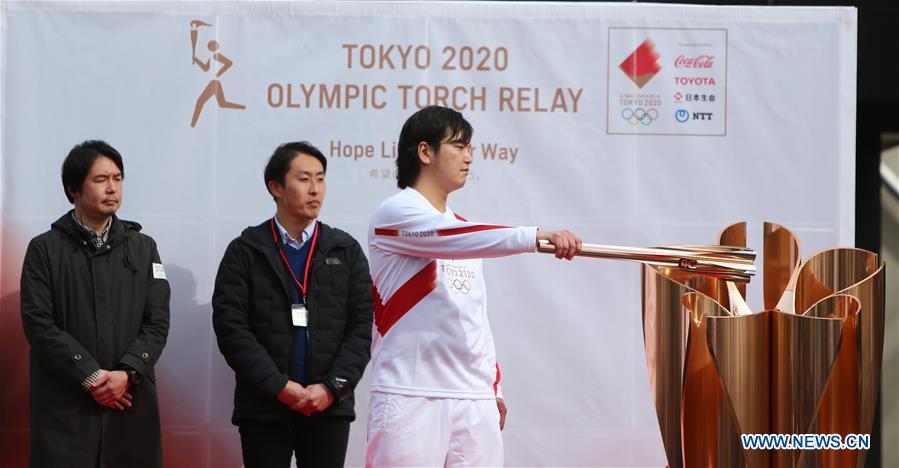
252 321
82 310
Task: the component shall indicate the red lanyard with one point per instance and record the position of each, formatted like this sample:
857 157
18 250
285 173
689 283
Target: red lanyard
308 259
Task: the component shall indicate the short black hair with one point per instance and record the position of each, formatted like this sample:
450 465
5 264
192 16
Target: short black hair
431 125
279 163
79 161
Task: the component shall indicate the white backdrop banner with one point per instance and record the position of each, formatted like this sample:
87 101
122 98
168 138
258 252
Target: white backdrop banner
629 124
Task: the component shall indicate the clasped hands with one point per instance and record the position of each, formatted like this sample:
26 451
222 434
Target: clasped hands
111 390
307 400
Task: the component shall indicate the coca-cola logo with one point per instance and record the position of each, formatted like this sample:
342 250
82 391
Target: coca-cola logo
702 61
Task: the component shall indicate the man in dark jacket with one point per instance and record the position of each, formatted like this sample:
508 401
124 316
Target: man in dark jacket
95 309
292 311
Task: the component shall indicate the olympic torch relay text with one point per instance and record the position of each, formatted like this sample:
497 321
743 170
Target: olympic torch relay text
476 63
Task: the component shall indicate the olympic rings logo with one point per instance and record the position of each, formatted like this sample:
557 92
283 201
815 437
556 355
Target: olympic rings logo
459 286
639 115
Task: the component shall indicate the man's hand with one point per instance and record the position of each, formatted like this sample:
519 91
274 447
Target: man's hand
318 398
501 406
292 393
111 390
567 243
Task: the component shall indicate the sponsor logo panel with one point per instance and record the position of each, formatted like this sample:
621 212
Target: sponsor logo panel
667 81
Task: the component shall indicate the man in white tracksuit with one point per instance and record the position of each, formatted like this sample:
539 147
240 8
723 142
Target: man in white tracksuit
436 398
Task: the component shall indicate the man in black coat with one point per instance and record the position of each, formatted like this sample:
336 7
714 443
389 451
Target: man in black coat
95 309
292 311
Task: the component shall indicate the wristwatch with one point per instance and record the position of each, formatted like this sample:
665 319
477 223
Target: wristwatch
339 387
134 377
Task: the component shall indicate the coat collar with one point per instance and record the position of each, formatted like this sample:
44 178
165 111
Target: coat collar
120 227
260 238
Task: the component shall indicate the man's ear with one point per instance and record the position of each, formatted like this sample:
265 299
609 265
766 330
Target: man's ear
425 153
276 189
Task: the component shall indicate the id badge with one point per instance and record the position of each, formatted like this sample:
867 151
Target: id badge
299 315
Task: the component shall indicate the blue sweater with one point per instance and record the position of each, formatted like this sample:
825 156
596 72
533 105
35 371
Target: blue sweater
297 260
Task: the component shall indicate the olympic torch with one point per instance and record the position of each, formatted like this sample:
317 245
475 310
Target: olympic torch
729 263
194 26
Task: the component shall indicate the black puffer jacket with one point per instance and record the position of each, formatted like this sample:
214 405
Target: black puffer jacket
251 316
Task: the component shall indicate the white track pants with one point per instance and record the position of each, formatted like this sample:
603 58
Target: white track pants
408 431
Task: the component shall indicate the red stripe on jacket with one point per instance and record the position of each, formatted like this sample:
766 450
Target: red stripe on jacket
444 232
405 298
387 232
468 229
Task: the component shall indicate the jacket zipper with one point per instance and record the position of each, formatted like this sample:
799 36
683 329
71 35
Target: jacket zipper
308 304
